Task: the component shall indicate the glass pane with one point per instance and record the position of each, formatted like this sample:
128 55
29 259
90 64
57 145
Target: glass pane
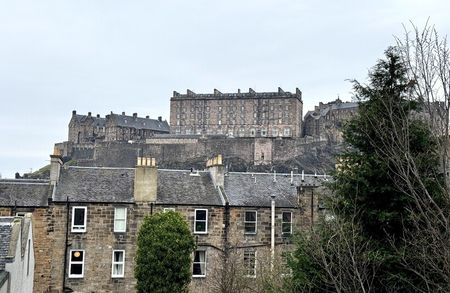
196 269
200 226
76 269
286 228
79 217
117 269
119 225
120 213
250 227
286 217
76 255
250 216
200 215
118 256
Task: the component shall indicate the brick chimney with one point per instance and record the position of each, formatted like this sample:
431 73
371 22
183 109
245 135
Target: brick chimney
216 170
145 180
55 166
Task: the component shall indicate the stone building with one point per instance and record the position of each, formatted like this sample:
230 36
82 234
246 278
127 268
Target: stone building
327 120
114 127
86 219
16 254
252 114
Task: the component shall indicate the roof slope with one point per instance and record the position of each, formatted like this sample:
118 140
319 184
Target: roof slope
139 123
24 193
184 187
248 189
90 184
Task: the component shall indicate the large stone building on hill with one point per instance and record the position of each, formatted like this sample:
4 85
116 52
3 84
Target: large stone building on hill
326 120
252 114
114 127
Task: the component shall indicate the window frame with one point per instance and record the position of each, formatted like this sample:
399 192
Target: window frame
283 223
255 222
116 230
113 262
165 210
195 222
79 228
247 267
76 276
199 263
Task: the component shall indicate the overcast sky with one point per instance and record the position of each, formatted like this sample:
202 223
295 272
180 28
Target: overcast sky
101 56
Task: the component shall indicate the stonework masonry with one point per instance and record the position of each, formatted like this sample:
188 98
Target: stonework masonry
252 114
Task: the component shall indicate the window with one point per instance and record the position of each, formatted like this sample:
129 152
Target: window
250 222
76 264
199 264
118 263
286 223
287 132
169 210
79 219
252 132
250 262
275 132
201 221
263 132
120 219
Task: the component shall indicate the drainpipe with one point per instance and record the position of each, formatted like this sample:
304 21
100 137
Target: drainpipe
272 232
66 245
227 227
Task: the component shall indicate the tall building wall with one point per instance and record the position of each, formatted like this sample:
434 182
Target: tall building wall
252 114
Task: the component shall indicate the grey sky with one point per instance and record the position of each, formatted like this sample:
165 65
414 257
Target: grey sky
102 56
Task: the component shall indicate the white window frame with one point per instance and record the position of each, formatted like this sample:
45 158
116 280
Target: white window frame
252 253
283 223
251 222
169 210
264 132
195 222
76 276
199 263
113 262
79 228
115 220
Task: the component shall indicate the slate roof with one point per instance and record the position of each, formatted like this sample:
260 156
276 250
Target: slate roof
140 123
97 121
330 106
255 189
95 184
24 193
184 187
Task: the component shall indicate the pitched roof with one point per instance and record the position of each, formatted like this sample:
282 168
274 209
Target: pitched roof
95 184
97 121
24 193
184 187
139 123
256 189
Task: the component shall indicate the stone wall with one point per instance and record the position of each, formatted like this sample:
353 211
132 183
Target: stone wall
240 154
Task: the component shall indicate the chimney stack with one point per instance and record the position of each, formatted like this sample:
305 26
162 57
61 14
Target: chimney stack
123 113
74 112
98 115
159 118
134 115
145 180
216 170
89 114
147 117
55 166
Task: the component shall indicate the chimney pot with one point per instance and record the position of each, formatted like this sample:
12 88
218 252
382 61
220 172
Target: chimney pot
98 115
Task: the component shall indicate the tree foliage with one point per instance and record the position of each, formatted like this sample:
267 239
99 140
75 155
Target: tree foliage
388 187
163 258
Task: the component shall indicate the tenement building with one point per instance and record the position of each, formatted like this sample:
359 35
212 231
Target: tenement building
114 127
326 120
251 114
86 221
